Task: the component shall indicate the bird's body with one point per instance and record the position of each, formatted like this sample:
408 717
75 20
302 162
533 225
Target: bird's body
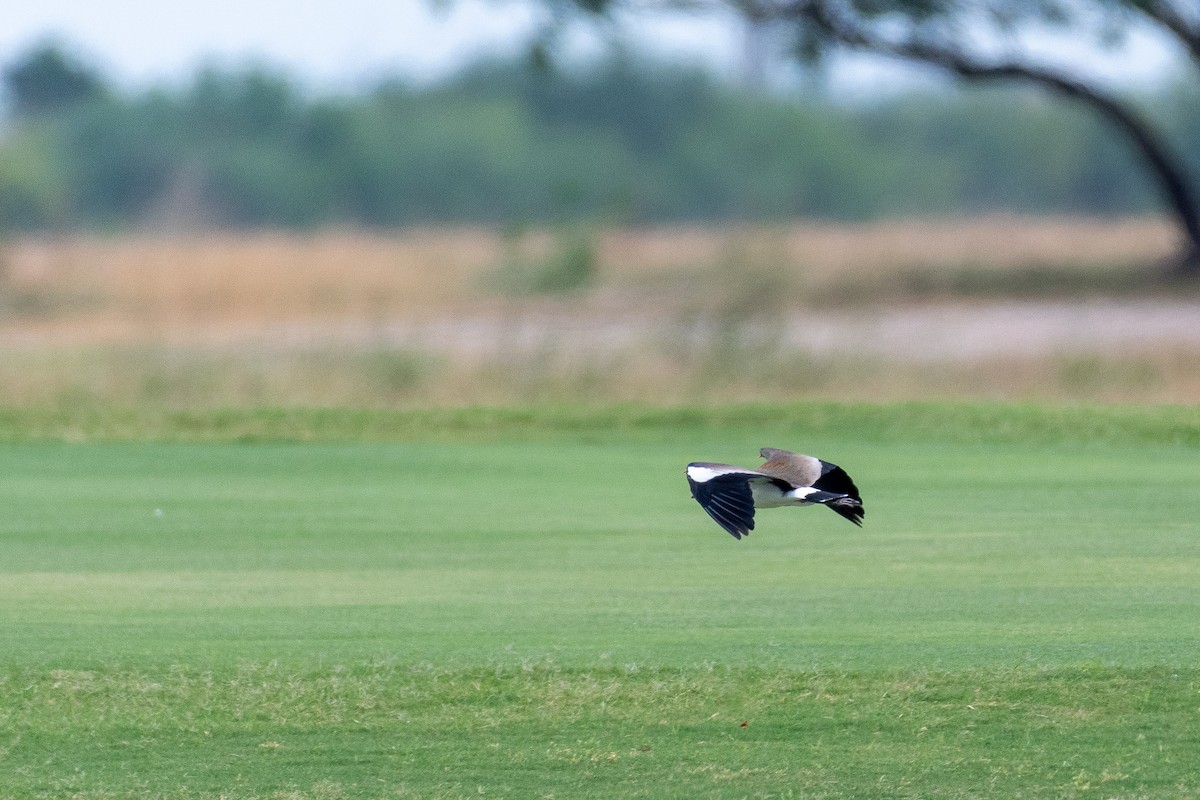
731 494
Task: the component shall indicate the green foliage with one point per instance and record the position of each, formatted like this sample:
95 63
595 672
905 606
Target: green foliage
1024 153
502 144
570 265
33 190
48 80
398 371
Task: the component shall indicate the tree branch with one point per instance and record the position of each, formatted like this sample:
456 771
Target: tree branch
1167 170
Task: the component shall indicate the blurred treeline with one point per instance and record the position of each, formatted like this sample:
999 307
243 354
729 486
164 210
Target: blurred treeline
623 142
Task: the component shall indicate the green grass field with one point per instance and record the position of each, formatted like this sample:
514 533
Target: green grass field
528 604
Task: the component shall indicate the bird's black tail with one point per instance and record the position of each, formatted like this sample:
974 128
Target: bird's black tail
849 508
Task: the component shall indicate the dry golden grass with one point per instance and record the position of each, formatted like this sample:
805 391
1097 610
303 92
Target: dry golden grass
197 378
347 317
825 252
149 281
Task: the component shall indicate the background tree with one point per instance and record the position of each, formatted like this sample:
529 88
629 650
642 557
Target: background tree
619 139
48 79
980 41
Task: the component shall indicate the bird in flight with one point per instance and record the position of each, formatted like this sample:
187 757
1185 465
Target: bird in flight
731 494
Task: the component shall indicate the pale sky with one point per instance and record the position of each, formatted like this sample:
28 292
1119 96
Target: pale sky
329 43
341 45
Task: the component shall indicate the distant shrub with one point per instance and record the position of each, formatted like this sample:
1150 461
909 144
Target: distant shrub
569 264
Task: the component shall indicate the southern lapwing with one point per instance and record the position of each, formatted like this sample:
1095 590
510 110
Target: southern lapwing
730 494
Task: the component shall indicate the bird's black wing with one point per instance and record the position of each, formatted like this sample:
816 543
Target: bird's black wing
727 499
725 493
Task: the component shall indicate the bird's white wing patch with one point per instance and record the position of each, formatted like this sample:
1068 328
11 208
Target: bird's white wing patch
703 472
724 492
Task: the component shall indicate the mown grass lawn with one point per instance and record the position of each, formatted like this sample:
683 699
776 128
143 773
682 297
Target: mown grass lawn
529 604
